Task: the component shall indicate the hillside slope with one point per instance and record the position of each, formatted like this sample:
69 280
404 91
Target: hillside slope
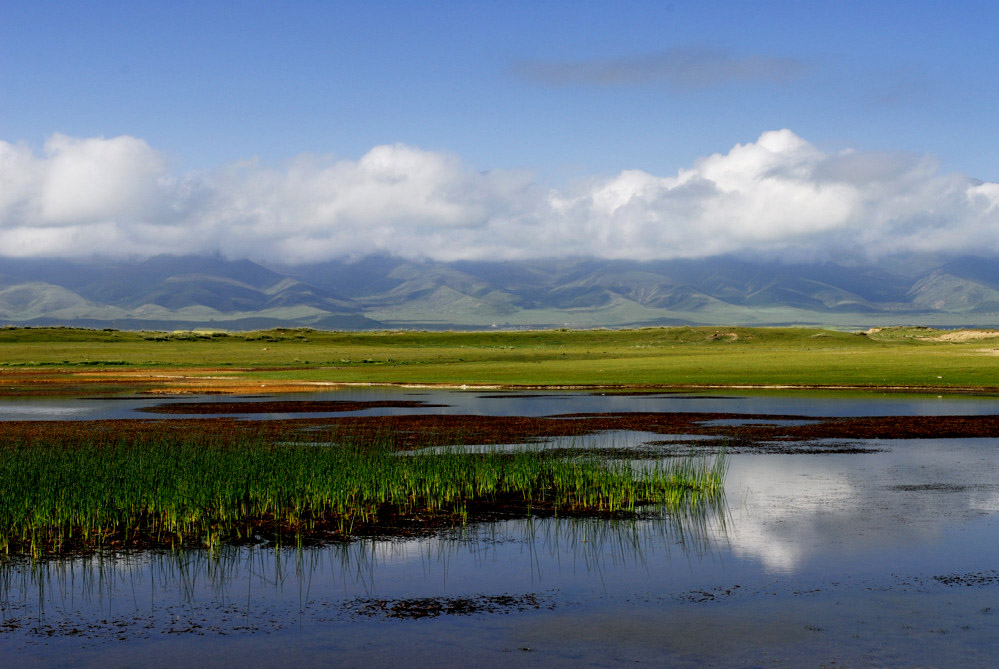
170 292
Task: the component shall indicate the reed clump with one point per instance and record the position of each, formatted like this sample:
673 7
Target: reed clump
195 489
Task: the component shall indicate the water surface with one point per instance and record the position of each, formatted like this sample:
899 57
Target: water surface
887 557
537 403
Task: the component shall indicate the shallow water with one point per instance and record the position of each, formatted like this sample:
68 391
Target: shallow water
881 558
539 403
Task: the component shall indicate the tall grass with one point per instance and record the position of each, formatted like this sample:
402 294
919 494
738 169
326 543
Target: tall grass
199 489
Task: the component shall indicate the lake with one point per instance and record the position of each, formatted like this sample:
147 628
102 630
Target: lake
885 555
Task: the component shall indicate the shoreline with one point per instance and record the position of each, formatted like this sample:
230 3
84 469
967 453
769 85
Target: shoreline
157 382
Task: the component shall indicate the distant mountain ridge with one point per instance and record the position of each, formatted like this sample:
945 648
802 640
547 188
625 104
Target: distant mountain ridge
182 292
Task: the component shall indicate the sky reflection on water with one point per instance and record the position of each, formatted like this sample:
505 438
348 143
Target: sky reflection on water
536 403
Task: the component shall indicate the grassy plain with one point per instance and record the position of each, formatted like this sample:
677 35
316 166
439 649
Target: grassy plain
299 359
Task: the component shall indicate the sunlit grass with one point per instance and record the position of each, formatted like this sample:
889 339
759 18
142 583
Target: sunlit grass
677 356
185 490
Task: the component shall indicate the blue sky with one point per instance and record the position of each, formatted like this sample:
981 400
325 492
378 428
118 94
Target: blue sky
220 81
569 92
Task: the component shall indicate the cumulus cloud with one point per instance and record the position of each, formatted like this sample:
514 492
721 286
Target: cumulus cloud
102 179
683 67
778 195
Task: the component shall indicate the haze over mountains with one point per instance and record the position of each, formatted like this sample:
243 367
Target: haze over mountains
435 242
180 292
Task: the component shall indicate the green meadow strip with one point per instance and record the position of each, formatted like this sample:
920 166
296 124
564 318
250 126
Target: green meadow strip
185 490
897 358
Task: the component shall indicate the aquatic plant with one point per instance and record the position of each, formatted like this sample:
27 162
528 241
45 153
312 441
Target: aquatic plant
196 488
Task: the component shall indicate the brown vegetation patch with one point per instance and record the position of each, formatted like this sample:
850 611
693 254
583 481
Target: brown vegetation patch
73 382
303 406
418 431
53 383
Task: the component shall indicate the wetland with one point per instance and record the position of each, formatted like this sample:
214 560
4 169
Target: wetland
850 527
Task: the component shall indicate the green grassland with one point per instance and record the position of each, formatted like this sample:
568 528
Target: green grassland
660 357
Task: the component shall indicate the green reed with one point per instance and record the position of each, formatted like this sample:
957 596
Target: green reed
200 489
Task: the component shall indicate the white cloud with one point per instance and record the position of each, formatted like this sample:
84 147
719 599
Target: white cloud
99 179
20 180
778 195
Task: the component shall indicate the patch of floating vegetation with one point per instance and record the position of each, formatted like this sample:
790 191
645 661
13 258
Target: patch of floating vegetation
930 487
743 447
185 488
701 596
417 430
433 607
978 578
764 422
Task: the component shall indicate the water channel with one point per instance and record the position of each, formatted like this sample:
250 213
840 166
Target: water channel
886 556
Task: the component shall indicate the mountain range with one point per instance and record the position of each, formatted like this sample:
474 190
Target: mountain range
184 292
